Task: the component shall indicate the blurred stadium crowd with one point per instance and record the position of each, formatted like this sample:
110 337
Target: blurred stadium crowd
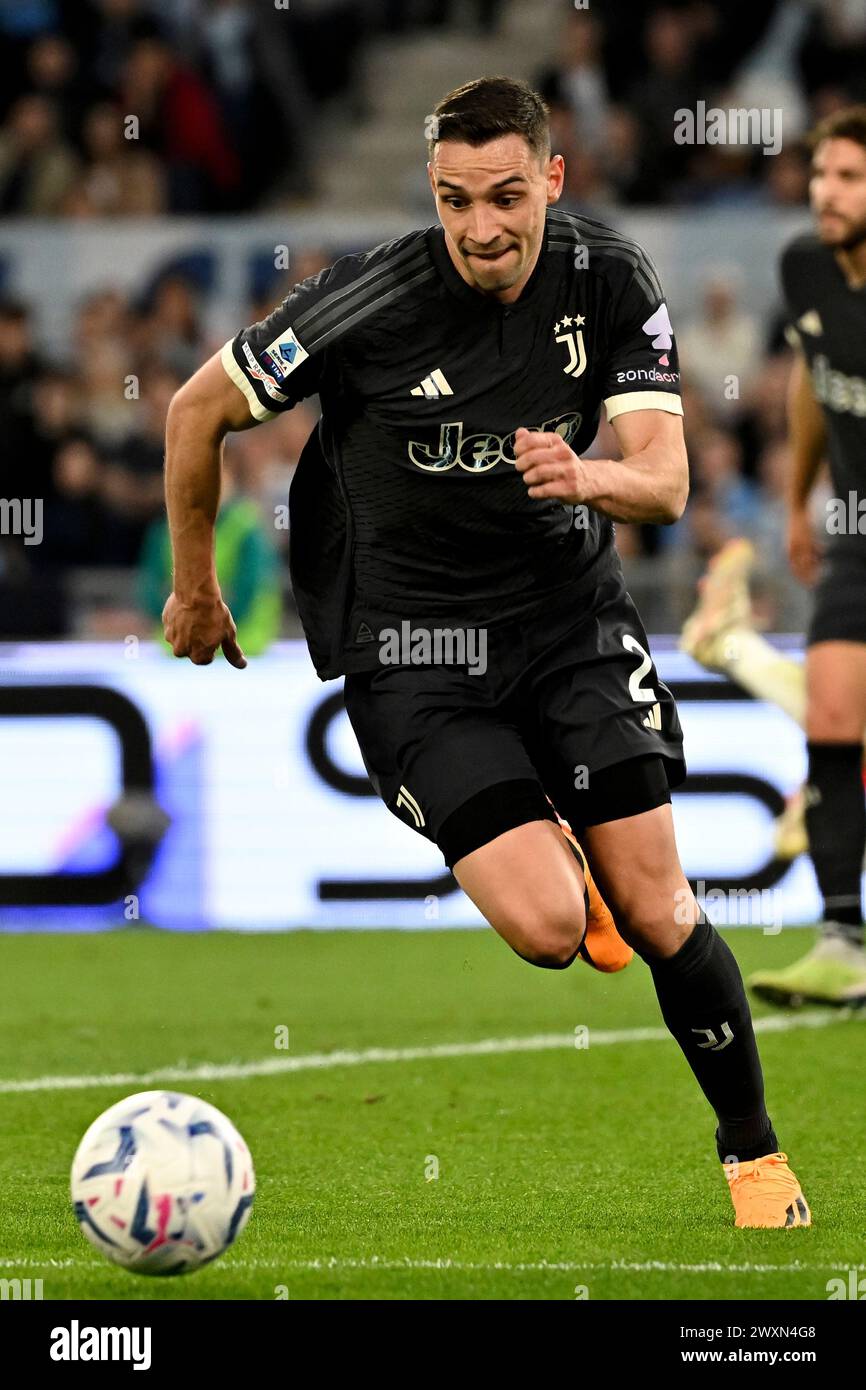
205 79
217 86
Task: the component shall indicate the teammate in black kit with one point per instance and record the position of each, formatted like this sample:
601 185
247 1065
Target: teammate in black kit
442 505
824 280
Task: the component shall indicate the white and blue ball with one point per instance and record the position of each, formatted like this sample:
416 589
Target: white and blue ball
162 1183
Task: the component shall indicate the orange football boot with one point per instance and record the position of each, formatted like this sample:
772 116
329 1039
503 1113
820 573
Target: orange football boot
602 947
766 1194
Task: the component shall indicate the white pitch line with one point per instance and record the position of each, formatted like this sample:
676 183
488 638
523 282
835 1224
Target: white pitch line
9 1266
322 1061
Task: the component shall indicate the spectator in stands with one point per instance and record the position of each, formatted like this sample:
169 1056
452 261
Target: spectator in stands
774 472
169 329
670 82
328 35
397 15
131 483
33 604
53 71
226 35
18 365
585 189
721 350
833 50
75 521
622 157
37 166
30 605
724 502
787 178
103 316
179 120
578 83
219 85
117 180
55 418
20 24
108 385
248 56
106 31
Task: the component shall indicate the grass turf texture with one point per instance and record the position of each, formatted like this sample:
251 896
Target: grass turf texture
592 1158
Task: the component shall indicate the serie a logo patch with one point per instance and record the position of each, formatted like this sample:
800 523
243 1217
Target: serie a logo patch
283 355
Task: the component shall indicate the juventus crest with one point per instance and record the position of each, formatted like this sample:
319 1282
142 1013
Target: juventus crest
573 340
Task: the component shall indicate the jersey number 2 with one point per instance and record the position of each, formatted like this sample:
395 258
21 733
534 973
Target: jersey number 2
641 694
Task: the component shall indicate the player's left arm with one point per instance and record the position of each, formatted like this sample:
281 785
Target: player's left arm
638 380
649 483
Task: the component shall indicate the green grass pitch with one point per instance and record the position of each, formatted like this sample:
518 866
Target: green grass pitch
560 1170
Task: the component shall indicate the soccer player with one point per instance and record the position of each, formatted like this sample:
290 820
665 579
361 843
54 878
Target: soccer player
461 371
824 280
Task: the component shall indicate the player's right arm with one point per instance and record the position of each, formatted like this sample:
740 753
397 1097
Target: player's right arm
266 369
195 618
808 437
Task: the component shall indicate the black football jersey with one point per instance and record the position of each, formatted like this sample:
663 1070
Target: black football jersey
828 322
406 503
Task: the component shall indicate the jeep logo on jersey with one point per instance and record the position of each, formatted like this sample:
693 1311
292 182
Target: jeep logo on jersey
658 326
576 364
836 390
283 355
478 453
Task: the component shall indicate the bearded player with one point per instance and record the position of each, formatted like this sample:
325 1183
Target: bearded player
824 280
461 370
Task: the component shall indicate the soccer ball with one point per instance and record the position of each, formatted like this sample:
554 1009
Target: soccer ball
162 1183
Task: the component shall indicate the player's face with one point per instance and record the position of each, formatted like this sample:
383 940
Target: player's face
491 200
838 192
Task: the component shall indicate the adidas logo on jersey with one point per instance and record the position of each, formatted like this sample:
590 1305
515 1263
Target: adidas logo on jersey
433 386
653 720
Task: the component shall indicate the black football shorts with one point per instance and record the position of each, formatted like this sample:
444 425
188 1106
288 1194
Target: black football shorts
461 756
839 614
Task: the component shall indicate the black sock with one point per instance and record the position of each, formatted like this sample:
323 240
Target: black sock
703 1002
836 822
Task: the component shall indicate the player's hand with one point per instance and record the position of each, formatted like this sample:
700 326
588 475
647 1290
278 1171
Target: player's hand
197 627
804 552
549 467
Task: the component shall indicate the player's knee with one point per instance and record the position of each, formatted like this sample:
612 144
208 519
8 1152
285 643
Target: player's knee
658 926
552 957
553 943
655 913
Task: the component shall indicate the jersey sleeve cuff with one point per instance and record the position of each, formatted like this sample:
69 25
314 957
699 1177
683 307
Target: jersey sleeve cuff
643 400
257 410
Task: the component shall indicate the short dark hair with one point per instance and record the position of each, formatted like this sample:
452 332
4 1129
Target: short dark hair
847 124
488 107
